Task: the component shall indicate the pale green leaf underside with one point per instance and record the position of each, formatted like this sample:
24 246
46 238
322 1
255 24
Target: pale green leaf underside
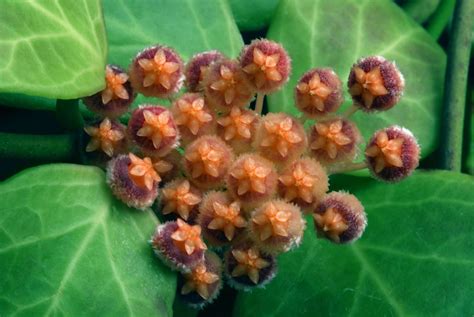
52 49
336 33
67 247
189 26
415 258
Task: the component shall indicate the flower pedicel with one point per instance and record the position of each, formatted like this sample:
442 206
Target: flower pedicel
241 181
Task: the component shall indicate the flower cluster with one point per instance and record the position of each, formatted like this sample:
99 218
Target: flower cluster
226 177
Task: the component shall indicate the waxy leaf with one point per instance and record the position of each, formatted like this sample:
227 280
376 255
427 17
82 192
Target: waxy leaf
54 49
415 258
337 33
67 247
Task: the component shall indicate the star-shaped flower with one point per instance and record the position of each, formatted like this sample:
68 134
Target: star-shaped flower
299 184
280 135
179 199
263 67
273 222
198 281
158 70
227 219
205 160
114 86
237 124
142 172
192 114
103 137
316 90
387 153
332 223
368 85
251 176
226 84
156 127
249 263
330 137
188 238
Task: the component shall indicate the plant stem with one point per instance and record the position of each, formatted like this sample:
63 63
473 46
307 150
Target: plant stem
350 111
455 85
259 103
60 147
349 167
69 114
440 18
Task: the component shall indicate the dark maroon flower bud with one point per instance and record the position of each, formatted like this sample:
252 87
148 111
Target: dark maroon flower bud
117 96
246 267
276 226
196 69
133 180
203 284
154 130
193 117
266 65
226 86
340 217
334 141
179 245
221 218
392 154
375 84
318 92
157 71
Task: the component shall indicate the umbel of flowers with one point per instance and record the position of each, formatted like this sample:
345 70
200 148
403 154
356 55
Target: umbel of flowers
229 179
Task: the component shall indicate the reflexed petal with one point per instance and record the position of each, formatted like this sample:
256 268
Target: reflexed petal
107 95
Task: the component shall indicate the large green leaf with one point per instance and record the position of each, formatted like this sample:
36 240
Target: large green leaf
53 49
68 248
251 15
336 33
415 258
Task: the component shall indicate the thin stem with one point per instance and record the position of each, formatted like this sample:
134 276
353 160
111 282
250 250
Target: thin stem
259 103
349 167
68 114
302 118
37 147
350 111
455 85
440 18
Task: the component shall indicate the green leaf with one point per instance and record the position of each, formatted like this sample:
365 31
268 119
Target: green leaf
470 155
189 26
420 10
67 247
253 15
53 49
415 258
336 33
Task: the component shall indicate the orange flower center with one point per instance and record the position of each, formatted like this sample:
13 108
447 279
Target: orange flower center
227 219
249 263
330 138
205 160
103 137
158 70
299 184
156 127
199 280
264 67
179 199
387 153
114 86
251 175
317 90
280 136
188 238
273 222
369 85
192 114
332 223
142 172
237 124
226 84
